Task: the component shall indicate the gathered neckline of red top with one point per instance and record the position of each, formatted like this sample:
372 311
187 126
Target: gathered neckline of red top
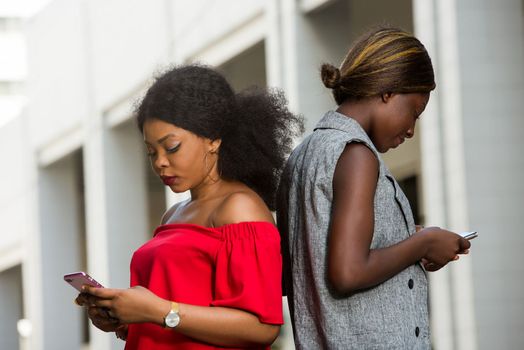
218 228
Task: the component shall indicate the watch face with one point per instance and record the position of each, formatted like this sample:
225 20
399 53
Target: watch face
172 319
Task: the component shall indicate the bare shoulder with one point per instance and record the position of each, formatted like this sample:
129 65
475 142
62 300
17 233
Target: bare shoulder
355 175
170 212
359 153
241 206
358 160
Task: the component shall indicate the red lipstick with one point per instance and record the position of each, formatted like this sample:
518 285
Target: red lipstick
168 180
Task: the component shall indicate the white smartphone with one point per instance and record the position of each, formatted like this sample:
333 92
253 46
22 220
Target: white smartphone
78 279
469 234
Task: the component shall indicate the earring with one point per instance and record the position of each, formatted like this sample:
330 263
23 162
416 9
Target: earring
206 167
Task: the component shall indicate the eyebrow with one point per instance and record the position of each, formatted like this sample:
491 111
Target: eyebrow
162 139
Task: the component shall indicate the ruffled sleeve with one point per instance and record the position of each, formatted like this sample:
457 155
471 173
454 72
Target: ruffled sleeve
249 270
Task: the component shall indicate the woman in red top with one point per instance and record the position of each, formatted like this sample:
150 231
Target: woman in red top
211 275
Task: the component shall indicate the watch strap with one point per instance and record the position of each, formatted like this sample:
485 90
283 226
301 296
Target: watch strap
174 310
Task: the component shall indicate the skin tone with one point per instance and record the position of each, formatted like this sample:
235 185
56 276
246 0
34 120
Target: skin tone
190 162
388 120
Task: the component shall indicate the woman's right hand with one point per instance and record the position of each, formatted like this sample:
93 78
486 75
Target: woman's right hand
102 320
443 246
98 316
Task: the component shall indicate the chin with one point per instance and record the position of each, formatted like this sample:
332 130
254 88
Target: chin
178 188
394 146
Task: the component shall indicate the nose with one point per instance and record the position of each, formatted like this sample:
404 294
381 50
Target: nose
160 161
411 131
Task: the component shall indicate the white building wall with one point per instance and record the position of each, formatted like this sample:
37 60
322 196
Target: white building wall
449 80
13 187
60 252
16 224
11 306
433 179
13 68
196 25
491 42
126 178
57 62
308 40
12 61
127 41
472 167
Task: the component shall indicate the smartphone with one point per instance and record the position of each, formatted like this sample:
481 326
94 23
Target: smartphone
78 279
469 234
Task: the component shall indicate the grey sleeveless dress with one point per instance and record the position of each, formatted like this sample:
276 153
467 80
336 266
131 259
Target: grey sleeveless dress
392 315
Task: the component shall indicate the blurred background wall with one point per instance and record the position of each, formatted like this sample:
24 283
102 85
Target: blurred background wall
76 191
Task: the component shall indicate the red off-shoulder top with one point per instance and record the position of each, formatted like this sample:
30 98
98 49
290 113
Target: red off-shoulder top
236 265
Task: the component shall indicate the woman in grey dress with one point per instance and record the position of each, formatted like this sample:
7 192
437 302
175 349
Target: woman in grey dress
354 262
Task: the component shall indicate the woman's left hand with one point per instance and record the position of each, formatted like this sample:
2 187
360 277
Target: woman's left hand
429 266
132 305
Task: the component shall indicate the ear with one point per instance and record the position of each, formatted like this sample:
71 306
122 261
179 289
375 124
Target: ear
386 97
214 145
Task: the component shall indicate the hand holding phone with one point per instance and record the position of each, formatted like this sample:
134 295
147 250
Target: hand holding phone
78 279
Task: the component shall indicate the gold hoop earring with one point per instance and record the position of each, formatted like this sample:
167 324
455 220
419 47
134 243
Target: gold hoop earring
209 172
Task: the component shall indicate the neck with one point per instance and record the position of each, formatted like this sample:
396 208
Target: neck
207 188
359 110
210 186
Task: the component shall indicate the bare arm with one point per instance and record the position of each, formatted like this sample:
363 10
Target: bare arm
215 325
352 265
226 326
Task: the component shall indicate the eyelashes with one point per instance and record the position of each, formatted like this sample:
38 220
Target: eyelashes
173 149
151 153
